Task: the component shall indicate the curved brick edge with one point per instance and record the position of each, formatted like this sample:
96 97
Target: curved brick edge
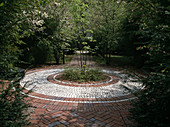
74 106
80 100
114 80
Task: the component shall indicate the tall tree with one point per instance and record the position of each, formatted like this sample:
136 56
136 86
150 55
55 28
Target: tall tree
106 22
79 10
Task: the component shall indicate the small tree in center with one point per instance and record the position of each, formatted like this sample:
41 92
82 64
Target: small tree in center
82 34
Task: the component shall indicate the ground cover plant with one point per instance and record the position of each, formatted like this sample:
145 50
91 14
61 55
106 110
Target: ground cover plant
83 75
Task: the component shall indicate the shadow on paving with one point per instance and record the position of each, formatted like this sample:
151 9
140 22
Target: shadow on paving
82 115
67 114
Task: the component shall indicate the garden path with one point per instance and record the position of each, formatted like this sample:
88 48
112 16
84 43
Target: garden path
55 111
90 63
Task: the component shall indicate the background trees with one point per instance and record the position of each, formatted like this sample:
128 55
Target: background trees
33 31
143 33
103 25
52 33
81 28
107 24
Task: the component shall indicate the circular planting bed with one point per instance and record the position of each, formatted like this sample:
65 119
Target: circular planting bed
56 78
46 84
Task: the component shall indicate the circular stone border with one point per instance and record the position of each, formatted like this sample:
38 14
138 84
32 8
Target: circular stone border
71 99
113 80
80 100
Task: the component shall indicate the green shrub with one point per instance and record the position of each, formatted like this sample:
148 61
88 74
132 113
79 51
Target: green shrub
12 105
40 51
83 75
151 109
152 106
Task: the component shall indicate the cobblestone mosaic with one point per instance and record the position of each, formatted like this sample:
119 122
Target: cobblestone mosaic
56 91
56 104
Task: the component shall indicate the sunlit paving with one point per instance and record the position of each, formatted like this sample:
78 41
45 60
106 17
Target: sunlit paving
84 63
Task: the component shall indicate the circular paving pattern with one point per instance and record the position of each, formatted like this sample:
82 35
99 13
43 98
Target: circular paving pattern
110 79
46 87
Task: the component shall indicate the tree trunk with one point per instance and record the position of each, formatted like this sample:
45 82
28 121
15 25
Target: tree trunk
56 55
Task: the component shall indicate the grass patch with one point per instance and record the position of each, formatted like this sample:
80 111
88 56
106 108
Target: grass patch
68 58
121 60
116 60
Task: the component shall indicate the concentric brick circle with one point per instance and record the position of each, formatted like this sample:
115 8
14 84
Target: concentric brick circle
113 91
111 79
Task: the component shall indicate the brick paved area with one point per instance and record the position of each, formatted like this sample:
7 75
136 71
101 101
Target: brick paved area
55 111
62 114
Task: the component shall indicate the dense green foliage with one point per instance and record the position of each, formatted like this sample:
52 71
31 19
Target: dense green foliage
105 23
51 32
83 75
151 108
9 35
81 28
12 105
30 31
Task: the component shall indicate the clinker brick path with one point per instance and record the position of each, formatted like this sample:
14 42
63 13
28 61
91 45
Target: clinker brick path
48 113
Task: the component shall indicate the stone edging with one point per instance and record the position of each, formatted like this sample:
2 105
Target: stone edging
80 100
113 79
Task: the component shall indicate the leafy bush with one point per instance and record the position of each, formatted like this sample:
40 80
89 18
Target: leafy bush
151 109
40 51
12 105
152 106
82 75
